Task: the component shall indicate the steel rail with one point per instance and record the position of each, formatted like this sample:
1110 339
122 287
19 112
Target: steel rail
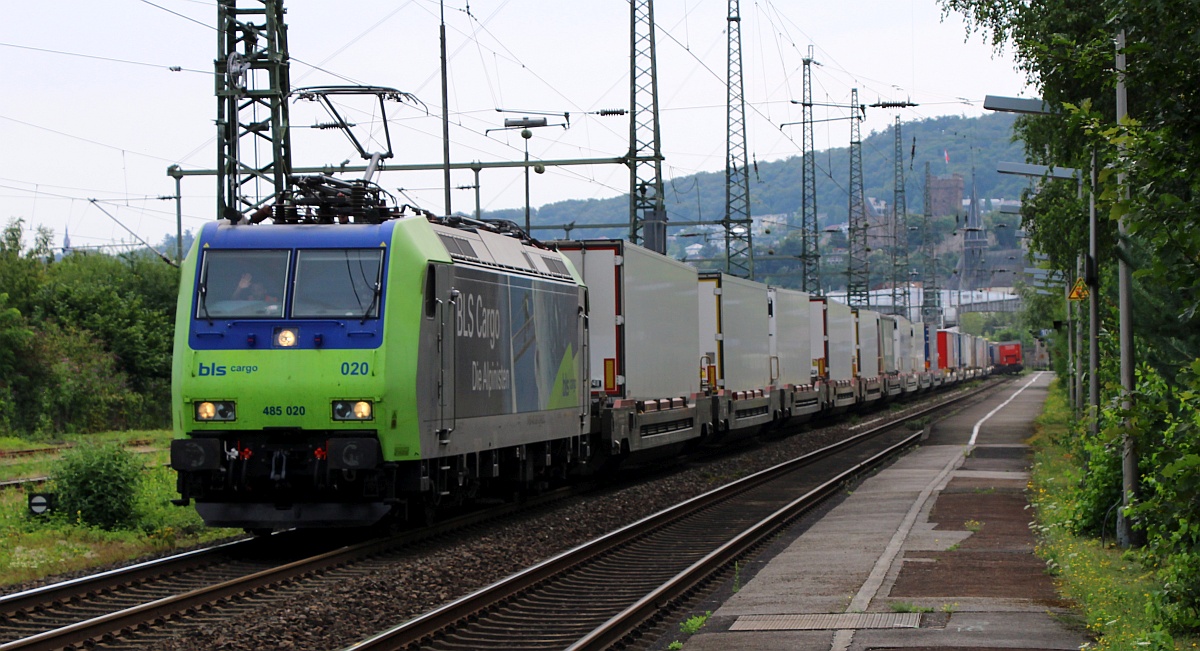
23 482
57 592
628 621
110 625
424 628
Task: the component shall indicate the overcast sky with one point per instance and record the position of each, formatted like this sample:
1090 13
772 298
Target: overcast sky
91 110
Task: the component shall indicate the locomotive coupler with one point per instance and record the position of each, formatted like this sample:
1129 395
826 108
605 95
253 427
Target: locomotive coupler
279 465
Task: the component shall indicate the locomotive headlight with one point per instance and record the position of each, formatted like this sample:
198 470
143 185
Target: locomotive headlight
286 337
352 410
216 410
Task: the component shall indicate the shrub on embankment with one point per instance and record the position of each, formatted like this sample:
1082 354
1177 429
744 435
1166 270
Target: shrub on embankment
1142 598
97 485
62 541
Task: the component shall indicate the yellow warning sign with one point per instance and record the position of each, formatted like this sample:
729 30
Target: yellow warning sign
1079 291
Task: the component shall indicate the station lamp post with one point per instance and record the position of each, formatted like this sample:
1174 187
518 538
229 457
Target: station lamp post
525 124
1090 272
1069 173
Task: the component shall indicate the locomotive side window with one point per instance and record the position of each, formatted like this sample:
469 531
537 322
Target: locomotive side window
338 283
242 283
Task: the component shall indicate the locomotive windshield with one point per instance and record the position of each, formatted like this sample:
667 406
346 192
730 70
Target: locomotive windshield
242 283
337 282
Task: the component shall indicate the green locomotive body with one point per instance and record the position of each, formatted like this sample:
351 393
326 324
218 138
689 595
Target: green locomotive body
336 374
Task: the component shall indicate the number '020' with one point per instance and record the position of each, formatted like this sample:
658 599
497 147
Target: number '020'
355 368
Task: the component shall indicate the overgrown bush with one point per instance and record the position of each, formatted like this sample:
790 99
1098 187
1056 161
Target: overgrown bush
1100 458
1165 423
98 485
1170 509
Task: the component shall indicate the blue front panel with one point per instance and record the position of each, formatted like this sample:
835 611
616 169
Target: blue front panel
260 333
233 324
290 236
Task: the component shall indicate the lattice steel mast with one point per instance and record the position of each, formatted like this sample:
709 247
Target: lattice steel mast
810 255
899 233
899 222
739 254
252 88
647 213
858 275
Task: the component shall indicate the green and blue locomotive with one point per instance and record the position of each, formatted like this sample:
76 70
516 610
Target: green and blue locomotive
339 374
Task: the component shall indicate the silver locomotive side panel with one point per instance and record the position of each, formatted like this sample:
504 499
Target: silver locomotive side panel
512 370
502 355
517 348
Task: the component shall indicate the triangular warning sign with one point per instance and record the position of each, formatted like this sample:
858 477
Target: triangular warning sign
1079 292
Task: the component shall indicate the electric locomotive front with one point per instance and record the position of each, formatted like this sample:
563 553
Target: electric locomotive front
279 384
331 375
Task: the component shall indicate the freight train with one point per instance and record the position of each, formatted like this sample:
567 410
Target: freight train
341 374
1006 357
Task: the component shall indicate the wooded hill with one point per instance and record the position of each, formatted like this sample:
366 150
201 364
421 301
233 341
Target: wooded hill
970 143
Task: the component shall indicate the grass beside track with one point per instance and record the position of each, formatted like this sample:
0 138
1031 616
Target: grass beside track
36 547
1110 587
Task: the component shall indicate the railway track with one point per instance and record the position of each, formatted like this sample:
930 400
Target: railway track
600 594
102 609
33 452
79 610
26 483
97 609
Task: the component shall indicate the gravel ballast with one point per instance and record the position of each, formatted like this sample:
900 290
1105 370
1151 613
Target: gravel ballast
344 606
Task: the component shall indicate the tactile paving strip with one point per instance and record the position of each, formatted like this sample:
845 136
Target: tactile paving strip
833 621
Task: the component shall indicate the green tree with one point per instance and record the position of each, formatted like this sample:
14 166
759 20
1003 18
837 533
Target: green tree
21 268
1066 48
15 340
85 341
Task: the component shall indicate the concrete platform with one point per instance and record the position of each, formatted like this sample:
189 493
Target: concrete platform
942 532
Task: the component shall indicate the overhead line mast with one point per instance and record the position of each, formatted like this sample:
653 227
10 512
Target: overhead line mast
250 115
739 252
899 233
858 293
647 213
810 255
899 225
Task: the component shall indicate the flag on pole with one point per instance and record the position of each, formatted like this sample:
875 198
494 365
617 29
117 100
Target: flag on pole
947 153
